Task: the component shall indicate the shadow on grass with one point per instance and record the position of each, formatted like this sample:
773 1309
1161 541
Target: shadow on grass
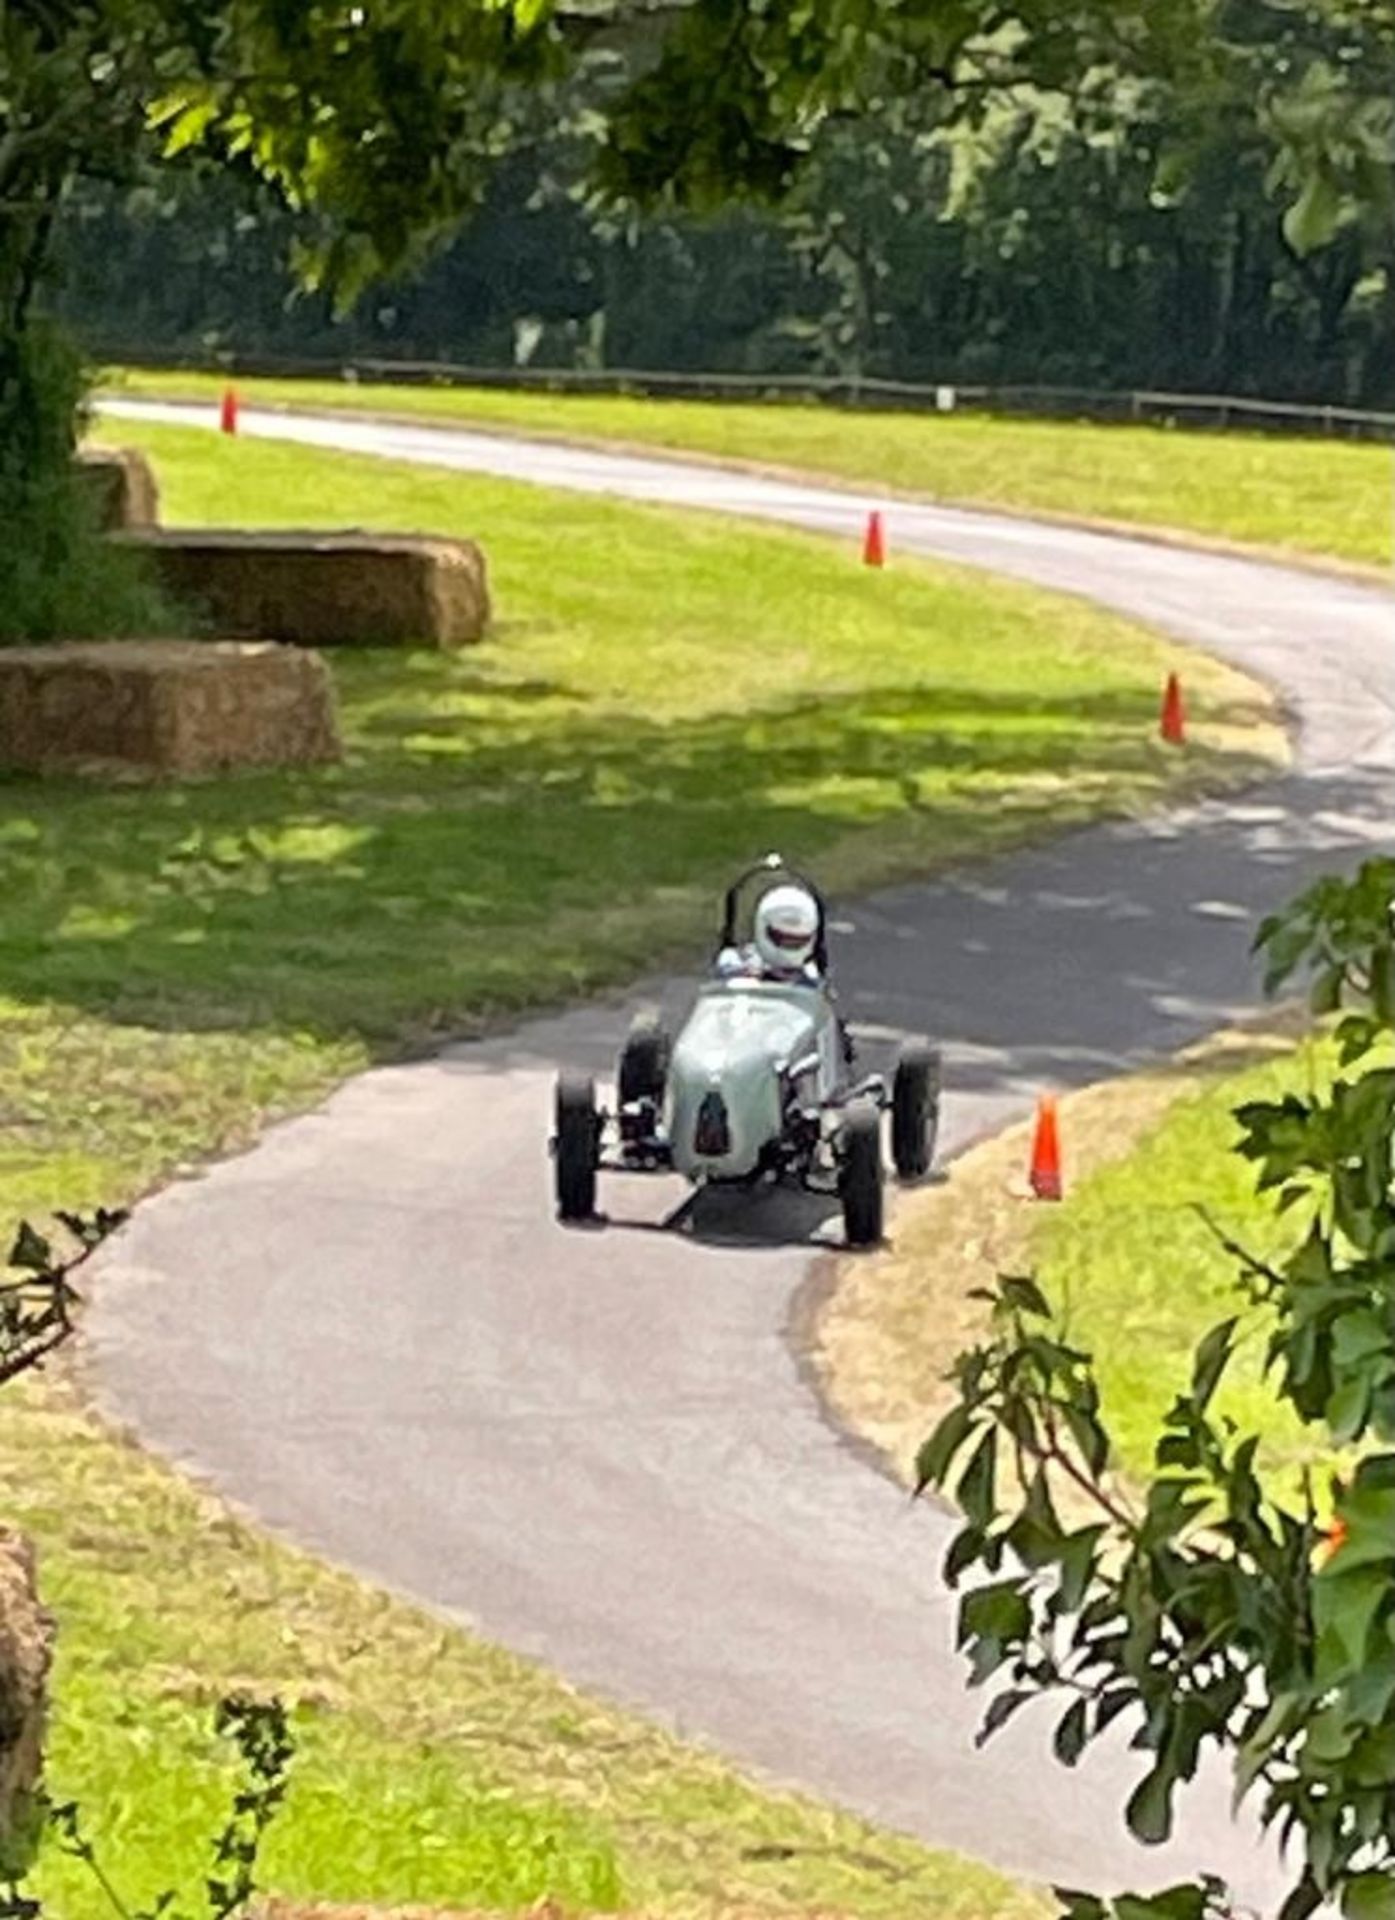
493 843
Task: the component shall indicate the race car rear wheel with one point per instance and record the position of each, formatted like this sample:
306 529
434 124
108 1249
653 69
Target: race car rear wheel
915 1110
644 1062
577 1141
860 1174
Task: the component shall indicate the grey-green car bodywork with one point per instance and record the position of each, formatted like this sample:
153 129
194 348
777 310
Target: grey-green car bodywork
759 1046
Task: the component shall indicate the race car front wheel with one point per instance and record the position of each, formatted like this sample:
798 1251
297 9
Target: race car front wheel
644 1062
860 1175
575 1147
915 1110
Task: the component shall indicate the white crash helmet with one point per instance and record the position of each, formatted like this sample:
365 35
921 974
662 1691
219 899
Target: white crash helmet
787 928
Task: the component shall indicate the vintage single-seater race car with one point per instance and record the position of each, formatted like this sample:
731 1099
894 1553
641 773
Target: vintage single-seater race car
760 1083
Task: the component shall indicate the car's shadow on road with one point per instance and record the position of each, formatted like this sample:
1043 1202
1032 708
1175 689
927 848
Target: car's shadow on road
767 1217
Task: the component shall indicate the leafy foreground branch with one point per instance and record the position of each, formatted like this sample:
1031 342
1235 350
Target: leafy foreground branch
36 1310
258 1730
1210 1609
36 1317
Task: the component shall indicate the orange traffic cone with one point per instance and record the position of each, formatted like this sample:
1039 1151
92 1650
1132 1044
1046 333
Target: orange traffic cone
227 417
1174 718
1046 1152
874 547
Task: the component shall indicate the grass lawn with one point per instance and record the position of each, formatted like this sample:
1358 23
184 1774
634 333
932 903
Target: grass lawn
1300 495
663 698
1136 1270
431 1768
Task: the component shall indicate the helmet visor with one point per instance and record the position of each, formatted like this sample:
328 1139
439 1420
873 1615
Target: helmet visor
790 939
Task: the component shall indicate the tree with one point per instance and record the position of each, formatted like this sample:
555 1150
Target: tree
1124 236
1215 1607
384 118
380 123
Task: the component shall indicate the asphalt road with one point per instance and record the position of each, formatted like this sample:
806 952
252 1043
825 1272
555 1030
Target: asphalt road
599 1447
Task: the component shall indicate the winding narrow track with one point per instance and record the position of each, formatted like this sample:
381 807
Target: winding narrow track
599 1448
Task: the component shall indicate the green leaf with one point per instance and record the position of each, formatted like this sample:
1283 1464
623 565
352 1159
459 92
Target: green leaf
1149 1812
1255 1751
1001 1611
976 1491
1330 1737
1212 1358
1373 1763
1187 1902
937 1455
1036 1535
1304 1900
1369 1896
1023 1295
186 123
1349 1408
1089 1436
1371 1693
31 1253
1327 990
1080 1906
1172 1506
1078 1556
1368 1508
1344 1611
1111 1704
1000 1712
1071 1734
1360 1336
1382 973
965 1550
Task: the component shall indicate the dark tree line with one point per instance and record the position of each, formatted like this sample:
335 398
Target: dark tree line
1126 236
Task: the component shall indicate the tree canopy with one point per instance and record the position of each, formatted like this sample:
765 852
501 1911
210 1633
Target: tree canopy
1215 1606
378 125
385 118
1124 235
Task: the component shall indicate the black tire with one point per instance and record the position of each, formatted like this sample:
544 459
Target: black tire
644 1062
576 1143
915 1110
860 1175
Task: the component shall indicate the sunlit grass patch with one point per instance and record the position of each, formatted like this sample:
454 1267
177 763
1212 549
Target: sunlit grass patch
1302 495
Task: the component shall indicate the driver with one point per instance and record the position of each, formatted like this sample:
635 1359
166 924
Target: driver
786 936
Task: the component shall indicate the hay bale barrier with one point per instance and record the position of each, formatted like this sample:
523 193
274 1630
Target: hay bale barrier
325 589
164 707
122 486
26 1652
